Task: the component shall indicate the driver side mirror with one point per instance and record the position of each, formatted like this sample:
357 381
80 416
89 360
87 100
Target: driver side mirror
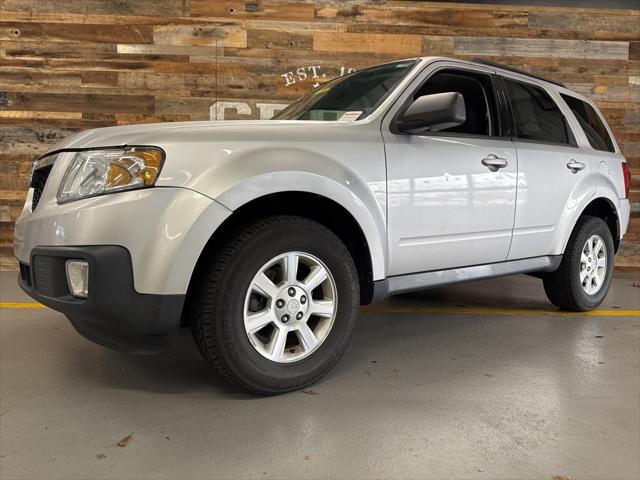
433 113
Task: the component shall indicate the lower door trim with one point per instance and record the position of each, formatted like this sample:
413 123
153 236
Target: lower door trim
438 278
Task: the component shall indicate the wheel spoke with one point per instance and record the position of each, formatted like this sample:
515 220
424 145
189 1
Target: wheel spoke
316 277
258 320
265 286
602 262
588 286
322 308
598 246
307 338
583 258
278 342
291 268
596 281
583 275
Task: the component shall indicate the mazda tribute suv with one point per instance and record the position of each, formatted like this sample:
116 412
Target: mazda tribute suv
265 236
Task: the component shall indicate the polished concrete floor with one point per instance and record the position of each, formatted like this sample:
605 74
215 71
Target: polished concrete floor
421 393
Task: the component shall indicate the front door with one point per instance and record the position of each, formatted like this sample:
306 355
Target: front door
451 193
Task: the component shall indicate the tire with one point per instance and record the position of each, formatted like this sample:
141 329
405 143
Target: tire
223 306
564 287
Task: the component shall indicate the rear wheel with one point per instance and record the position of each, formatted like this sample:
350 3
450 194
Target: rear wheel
277 307
582 281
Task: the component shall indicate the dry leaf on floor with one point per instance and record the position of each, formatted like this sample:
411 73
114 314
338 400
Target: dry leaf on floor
307 457
100 456
560 477
125 441
309 392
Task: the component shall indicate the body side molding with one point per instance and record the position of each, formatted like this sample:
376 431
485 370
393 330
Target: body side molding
438 278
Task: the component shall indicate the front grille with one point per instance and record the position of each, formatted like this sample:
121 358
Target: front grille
38 181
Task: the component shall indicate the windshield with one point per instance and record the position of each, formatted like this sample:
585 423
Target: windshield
353 96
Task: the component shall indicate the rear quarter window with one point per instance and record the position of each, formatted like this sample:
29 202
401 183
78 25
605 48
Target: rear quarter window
591 124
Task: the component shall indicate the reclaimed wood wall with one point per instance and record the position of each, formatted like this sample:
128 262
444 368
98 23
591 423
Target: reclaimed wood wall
69 65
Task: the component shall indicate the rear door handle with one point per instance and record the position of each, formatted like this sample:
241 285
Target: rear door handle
574 166
494 162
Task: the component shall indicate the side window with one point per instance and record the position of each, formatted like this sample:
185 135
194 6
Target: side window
590 122
536 115
479 99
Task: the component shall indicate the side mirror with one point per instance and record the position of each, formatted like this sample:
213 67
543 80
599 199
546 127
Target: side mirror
433 113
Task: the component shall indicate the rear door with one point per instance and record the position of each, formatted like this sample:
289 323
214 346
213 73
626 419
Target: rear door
550 168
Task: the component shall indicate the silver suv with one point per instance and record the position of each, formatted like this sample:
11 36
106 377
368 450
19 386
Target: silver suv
266 236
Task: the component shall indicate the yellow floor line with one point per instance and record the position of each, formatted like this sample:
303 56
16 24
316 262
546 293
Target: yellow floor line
21 305
435 310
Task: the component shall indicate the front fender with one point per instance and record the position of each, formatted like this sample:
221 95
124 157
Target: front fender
243 172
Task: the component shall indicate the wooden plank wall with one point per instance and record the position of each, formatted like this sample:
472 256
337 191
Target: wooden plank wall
68 65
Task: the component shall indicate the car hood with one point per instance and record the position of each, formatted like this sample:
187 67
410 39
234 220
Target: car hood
159 134
213 157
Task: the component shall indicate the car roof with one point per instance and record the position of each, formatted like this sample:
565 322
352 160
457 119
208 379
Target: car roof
510 71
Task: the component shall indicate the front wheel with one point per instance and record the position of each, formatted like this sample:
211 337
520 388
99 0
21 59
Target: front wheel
582 281
277 306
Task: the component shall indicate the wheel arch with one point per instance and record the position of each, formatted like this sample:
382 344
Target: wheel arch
312 206
605 209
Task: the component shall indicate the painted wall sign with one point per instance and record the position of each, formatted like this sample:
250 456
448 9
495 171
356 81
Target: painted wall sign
235 109
312 72
264 110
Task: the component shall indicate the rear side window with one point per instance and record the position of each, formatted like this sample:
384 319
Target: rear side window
536 115
591 124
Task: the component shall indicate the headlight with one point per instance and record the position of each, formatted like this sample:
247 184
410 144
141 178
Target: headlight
95 172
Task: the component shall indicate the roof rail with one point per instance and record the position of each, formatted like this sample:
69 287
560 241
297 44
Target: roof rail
516 70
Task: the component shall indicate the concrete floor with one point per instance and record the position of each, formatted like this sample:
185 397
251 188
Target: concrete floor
417 395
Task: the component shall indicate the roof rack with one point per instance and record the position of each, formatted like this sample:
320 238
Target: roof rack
516 70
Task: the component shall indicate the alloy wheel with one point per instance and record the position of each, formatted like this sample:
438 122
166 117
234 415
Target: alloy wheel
593 265
290 307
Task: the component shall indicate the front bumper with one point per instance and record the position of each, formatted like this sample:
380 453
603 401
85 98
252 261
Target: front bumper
164 230
114 314
142 247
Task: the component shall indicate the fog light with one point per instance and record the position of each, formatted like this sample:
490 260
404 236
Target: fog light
78 277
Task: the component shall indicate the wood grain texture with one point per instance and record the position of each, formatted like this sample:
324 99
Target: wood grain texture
367 42
91 33
98 7
616 24
70 65
541 47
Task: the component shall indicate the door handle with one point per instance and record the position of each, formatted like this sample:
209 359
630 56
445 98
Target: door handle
574 166
494 162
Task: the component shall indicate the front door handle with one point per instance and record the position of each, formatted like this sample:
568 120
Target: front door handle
494 162
574 166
